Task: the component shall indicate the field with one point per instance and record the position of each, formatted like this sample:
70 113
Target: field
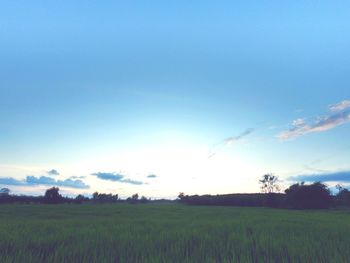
171 233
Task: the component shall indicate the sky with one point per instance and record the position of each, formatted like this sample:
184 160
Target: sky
162 97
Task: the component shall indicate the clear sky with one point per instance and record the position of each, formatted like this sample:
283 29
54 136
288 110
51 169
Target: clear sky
159 97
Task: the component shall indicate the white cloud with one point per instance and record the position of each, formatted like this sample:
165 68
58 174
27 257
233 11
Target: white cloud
340 106
299 122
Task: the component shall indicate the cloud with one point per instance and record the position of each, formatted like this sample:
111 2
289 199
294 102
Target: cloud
314 169
299 122
340 106
11 181
77 177
342 176
53 172
44 180
115 177
152 176
73 184
230 141
109 176
129 181
340 115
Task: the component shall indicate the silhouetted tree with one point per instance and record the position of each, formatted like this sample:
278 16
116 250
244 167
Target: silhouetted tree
181 195
52 196
4 192
80 198
105 198
135 197
343 197
301 196
269 184
339 187
144 199
95 196
183 198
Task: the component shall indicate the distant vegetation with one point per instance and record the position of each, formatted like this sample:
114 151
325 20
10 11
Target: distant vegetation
52 196
298 196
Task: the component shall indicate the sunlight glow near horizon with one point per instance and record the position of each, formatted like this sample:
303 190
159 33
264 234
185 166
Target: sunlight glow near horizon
206 97
178 169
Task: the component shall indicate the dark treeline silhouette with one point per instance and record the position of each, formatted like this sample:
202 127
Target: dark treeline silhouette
272 199
298 196
52 196
104 198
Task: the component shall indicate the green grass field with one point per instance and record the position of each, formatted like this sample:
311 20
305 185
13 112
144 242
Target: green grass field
171 233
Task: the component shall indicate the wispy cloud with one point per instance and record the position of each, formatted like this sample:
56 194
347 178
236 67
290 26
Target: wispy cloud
230 141
130 181
340 114
116 177
53 172
342 176
44 180
340 106
152 176
77 177
314 169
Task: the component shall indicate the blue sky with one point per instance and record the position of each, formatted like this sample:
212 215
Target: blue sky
130 90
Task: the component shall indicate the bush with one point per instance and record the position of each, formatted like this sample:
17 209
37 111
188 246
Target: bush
343 197
52 196
313 196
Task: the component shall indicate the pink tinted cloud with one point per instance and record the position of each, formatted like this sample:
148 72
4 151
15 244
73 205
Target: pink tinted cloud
340 116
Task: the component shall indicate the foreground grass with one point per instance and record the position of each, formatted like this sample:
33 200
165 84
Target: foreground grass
171 233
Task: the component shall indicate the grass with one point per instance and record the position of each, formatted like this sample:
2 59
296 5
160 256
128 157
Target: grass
171 233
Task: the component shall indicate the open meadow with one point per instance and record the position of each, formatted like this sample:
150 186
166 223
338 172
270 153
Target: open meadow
171 233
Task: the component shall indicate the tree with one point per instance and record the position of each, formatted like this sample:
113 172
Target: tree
339 187
80 198
312 196
95 195
343 196
4 192
143 199
181 195
269 184
52 196
135 197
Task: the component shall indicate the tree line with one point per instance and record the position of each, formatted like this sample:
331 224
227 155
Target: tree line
316 195
52 196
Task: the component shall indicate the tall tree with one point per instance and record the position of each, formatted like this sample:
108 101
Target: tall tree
269 184
52 196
